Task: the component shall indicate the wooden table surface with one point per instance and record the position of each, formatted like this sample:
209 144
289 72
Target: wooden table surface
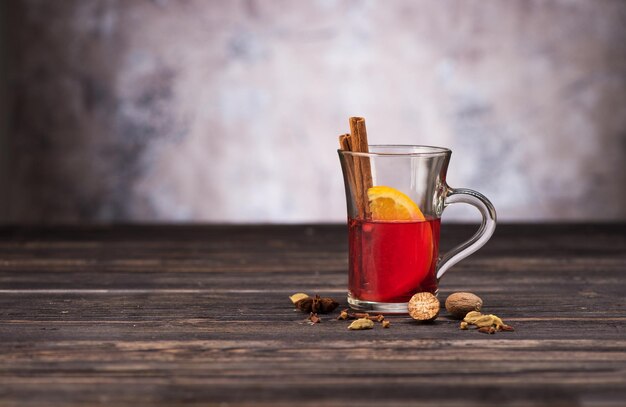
166 315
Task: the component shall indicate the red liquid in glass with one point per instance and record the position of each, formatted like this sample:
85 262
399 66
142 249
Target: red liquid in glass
391 261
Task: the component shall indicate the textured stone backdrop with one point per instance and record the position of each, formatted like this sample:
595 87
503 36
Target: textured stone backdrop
230 110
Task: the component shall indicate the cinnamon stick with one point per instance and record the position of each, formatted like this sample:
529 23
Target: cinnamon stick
346 145
344 142
362 167
354 177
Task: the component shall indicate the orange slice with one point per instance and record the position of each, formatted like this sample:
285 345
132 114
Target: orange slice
388 204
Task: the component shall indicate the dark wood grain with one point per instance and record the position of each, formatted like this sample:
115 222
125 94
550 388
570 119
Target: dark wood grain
199 315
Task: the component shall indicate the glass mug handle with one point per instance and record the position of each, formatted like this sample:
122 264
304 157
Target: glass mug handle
479 239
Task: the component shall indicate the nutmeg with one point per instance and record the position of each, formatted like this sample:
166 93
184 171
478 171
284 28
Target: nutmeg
424 307
459 304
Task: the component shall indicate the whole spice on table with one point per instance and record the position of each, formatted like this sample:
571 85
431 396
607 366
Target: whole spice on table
487 330
459 304
359 317
485 323
377 318
313 319
472 316
346 314
297 297
343 315
317 304
424 307
361 323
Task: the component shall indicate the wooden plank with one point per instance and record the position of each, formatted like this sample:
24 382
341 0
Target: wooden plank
398 369
270 306
160 315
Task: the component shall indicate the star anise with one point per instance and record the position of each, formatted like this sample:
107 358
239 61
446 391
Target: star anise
317 304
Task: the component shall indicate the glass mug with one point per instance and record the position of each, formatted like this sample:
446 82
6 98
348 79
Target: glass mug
390 260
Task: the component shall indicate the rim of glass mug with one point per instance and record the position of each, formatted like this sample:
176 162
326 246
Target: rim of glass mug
416 150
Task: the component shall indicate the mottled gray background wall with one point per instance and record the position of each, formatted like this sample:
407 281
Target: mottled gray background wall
136 110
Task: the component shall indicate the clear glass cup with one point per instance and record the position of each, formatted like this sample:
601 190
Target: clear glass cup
390 260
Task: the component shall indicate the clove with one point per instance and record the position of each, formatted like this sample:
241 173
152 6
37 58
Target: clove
346 314
313 319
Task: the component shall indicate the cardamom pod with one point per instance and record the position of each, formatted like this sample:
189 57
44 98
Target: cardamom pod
496 321
472 316
297 297
361 323
484 321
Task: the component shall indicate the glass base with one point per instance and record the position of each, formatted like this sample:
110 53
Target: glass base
379 307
